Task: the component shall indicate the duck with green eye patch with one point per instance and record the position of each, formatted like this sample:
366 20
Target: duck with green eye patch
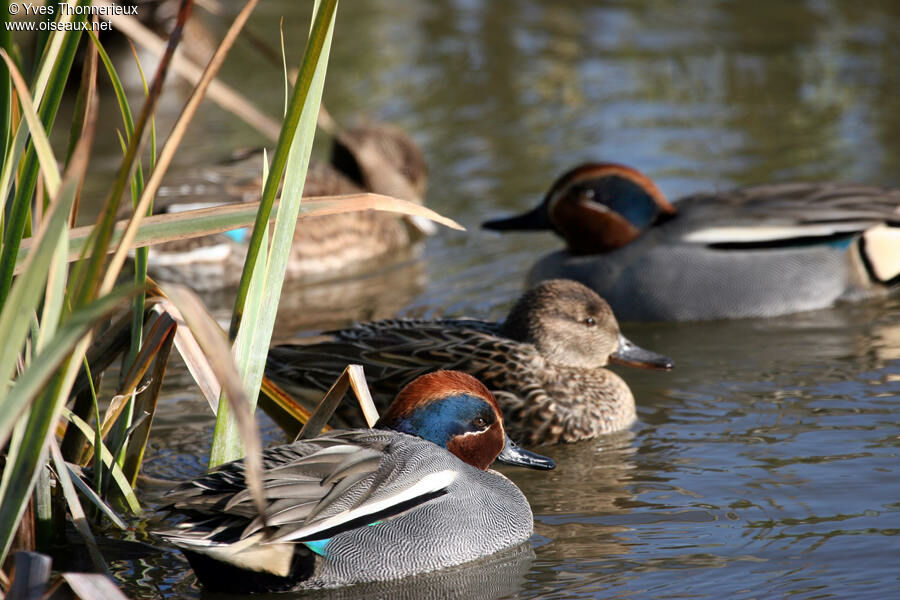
758 251
411 496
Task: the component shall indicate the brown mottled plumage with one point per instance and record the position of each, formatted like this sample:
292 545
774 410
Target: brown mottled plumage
544 364
374 158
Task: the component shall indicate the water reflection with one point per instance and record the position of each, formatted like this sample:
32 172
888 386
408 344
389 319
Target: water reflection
767 459
785 431
497 576
377 294
582 509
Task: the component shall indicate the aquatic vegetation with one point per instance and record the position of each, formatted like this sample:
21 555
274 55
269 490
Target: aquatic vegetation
64 326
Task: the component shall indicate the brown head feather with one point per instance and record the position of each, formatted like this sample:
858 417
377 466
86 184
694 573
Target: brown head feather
604 169
433 386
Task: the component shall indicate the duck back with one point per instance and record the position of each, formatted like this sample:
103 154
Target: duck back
477 514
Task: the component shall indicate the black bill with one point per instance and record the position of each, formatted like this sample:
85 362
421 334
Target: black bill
533 220
633 355
512 454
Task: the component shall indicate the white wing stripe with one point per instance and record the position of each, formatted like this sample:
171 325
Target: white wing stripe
724 235
432 482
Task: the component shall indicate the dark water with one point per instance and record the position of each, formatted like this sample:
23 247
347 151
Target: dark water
766 464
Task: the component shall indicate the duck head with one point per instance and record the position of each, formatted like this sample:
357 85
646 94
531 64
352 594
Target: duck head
456 411
382 159
595 207
571 326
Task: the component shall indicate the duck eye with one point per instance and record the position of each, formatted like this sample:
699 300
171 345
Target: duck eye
479 422
590 322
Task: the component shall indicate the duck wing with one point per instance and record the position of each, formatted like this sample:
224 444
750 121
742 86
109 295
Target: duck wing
785 214
314 490
393 352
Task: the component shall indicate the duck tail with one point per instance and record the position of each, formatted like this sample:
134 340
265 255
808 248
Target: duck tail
235 577
879 248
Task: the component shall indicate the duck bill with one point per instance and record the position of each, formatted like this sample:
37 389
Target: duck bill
534 220
632 355
512 454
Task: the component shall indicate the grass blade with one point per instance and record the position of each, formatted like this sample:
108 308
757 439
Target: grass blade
45 364
5 86
214 344
207 221
108 461
60 56
220 93
171 145
13 153
95 499
190 351
12 327
352 376
22 470
15 315
226 427
363 394
118 88
86 274
32 572
289 414
38 135
320 33
62 475
145 404
326 406
255 333
88 586
160 331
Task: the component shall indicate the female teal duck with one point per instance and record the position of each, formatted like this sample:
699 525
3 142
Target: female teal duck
411 496
375 158
544 363
751 252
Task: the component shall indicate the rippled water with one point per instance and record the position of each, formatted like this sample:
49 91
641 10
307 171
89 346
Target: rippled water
766 464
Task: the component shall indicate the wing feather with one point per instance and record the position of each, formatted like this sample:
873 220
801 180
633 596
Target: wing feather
393 352
310 487
786 213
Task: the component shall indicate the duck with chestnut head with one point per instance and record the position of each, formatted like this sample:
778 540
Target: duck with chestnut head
545 363
414 495
751 252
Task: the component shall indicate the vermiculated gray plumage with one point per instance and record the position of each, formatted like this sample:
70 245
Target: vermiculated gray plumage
751 252
314 485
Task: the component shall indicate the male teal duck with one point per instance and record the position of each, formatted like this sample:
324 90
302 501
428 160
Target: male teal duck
411 496
375 158
751 252
544 363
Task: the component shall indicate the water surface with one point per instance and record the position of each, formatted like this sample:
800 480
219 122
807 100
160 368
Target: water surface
766 464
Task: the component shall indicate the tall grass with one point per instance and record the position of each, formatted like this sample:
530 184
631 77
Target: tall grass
252 329
51 313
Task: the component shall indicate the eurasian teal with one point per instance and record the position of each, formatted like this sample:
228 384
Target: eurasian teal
375 158
544 363
751 252
411 496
